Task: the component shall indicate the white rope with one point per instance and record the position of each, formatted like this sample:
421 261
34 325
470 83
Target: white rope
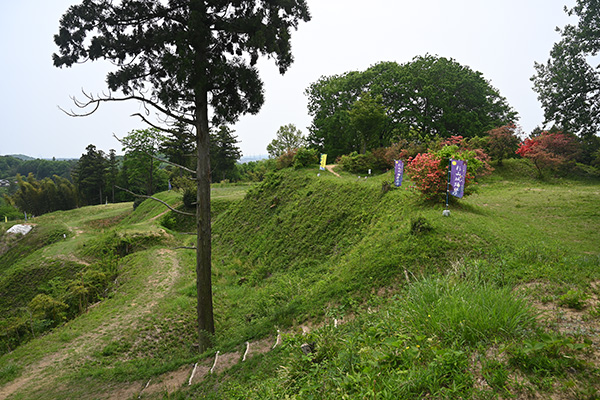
215 364
246 352
193 373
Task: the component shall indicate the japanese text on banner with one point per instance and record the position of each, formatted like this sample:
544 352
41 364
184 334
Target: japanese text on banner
458 173
398 172
323 161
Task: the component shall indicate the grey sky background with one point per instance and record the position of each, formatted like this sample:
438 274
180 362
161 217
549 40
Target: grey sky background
501 39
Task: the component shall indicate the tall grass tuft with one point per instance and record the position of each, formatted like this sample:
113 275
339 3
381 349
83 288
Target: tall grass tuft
465 312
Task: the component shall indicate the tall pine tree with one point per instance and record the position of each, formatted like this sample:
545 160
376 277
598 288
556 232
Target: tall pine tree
90 176
178 58
224 154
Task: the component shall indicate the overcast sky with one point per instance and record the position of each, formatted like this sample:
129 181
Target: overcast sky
500 39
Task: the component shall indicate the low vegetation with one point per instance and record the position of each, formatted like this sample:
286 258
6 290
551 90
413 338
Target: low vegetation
375 293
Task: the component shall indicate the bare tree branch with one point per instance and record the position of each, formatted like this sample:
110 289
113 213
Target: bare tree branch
173 164
185 248
160 159
95 102
146 120
159 200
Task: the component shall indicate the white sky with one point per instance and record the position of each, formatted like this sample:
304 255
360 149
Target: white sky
501 39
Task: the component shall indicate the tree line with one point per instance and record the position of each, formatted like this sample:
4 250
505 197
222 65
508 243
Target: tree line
98 177
10 166
419 100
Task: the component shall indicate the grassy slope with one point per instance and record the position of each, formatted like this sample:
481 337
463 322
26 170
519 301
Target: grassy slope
305 248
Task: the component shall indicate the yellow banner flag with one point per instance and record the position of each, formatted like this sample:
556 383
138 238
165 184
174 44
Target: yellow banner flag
323 161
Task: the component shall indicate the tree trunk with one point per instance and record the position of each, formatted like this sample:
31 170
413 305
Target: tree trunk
150 187
206 327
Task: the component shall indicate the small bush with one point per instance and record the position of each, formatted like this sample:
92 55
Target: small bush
419 226
574 299
189 198
427 174
305 157
361 163
429 171
286 160
137 202
550 151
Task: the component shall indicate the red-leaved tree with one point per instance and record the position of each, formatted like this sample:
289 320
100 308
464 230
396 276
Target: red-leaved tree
549 150
503 142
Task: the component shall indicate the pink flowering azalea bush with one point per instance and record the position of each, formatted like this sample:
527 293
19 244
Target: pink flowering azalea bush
429 171
426 172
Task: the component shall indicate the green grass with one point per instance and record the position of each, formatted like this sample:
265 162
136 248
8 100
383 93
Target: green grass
430 303
421 343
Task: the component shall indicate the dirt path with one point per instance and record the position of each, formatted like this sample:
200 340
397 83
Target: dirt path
46 370
330 169
44 373
166 211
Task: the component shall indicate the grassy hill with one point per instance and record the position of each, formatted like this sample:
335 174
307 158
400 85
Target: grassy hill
388 298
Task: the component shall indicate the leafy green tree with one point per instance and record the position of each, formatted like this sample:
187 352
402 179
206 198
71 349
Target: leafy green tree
90 175
179 147
8 166
329 100
224 154
427 97
368 117
288 138
444 98
179 58
46 168
568 86
37 197
141 148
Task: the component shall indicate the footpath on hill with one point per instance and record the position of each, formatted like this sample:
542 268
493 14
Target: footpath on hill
330 168
44 373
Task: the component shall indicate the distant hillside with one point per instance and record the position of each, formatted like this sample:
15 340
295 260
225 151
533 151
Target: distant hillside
259 157
20 157
10 166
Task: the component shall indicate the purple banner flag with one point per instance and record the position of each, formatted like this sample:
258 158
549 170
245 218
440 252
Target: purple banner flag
458 172
398 172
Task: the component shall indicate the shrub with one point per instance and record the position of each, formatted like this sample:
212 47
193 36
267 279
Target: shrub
286 159
189 198
428 175
429 171
137 202
9 212
362 163
402 150
305 157
552 151
256 171
503 142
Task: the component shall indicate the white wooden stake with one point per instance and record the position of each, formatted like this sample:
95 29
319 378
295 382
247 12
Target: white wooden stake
215 364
